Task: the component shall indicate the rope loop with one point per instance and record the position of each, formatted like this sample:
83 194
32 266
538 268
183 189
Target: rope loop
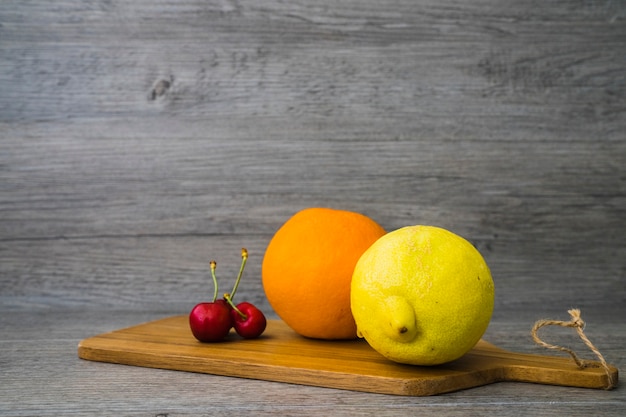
577 323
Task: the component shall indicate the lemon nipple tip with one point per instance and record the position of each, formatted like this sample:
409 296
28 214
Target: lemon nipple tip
401 323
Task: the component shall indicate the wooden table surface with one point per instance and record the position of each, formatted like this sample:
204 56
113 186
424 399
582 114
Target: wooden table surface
140 139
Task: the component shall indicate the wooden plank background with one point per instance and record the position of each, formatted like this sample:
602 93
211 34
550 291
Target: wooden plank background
139 140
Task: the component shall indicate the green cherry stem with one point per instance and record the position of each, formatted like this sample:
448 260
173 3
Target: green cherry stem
244 259
213 266
228 297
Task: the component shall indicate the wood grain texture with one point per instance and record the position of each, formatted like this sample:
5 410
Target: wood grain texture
39 357
281 355
140 139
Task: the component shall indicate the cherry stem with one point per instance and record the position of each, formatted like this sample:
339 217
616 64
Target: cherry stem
244 259
227 297
213 266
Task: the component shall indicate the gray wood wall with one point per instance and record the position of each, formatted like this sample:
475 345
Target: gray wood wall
140 139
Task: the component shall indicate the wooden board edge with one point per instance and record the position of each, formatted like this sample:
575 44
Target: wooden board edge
507 366
88 350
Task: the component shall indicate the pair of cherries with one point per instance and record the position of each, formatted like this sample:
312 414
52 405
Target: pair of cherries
212 321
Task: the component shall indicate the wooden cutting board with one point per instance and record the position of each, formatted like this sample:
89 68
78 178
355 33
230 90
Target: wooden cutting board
283 356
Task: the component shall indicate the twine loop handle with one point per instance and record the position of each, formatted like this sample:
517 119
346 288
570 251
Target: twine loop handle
577 323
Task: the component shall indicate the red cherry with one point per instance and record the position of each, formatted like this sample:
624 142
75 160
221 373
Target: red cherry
248 321
210 322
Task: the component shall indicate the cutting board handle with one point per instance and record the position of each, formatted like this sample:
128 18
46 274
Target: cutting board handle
577 323
551 370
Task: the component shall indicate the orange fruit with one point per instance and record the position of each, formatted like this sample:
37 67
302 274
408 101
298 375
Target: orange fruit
307 270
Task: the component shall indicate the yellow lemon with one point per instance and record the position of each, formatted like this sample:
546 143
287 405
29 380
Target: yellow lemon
422 295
